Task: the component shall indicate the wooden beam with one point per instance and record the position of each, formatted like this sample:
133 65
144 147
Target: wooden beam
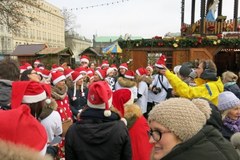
235 16
202 15
193 11
220 8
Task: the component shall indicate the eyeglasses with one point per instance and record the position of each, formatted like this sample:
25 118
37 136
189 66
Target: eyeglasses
156 135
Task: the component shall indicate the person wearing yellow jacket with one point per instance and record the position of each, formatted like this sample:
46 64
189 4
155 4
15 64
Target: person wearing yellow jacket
208 85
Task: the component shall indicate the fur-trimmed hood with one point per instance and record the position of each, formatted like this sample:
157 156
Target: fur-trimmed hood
127 83
131 113
10 151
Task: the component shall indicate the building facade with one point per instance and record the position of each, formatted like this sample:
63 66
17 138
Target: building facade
6 41
46 27
77 43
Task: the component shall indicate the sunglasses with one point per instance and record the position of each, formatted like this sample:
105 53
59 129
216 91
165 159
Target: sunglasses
156 135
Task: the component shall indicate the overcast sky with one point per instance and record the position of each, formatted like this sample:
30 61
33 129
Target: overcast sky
145 18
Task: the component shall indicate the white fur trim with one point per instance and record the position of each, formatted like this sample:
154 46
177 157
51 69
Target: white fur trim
130 77
138 73
124 121
100 106
159 65
84 60
99 74
69 74
62 77
34 98
79 77
123 67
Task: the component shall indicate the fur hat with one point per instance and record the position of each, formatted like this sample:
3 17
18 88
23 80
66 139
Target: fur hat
229 77
141 71
161 61
29 92
100 97
227 100
84 59
124 66
101 73
129 74
57 77
68 72
122 97
20 127
185 118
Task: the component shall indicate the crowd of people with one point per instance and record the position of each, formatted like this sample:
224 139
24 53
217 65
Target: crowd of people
110 112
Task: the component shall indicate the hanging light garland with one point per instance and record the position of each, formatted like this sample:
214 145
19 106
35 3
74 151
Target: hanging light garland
97 5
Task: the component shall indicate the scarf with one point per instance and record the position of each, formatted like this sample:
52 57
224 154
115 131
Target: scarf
59 94
233 125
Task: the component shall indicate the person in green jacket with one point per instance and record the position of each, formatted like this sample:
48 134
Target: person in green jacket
208 85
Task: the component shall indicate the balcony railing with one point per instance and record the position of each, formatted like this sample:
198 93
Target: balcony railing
210 28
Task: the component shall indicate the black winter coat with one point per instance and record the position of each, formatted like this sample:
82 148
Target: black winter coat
96 137
80 102
207 144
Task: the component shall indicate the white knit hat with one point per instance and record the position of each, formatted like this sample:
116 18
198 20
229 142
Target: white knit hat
227 100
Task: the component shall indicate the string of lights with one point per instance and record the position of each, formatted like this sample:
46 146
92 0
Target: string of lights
97 5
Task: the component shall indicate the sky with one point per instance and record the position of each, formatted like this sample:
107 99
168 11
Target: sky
144 18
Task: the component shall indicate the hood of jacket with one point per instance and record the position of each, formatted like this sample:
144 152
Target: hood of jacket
95 127
5 92
127 83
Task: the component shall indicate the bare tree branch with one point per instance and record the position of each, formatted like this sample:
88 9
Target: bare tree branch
16 13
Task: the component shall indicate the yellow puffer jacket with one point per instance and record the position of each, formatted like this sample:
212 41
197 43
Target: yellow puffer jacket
206 89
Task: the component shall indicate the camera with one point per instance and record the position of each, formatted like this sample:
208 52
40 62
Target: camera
156 90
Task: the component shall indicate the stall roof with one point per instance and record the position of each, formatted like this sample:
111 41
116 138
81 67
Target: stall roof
28 50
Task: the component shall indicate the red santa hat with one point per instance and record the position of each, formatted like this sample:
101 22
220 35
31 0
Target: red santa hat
150 68
45 73
114 67
90 71
161 61
90 75
84 59
129 74
68 72
101 73
20 127
57 77
141 71
124 66
76 76
28 66
22 68
100 97
55 68
36 62
105 63
122 97
81 70
29 92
